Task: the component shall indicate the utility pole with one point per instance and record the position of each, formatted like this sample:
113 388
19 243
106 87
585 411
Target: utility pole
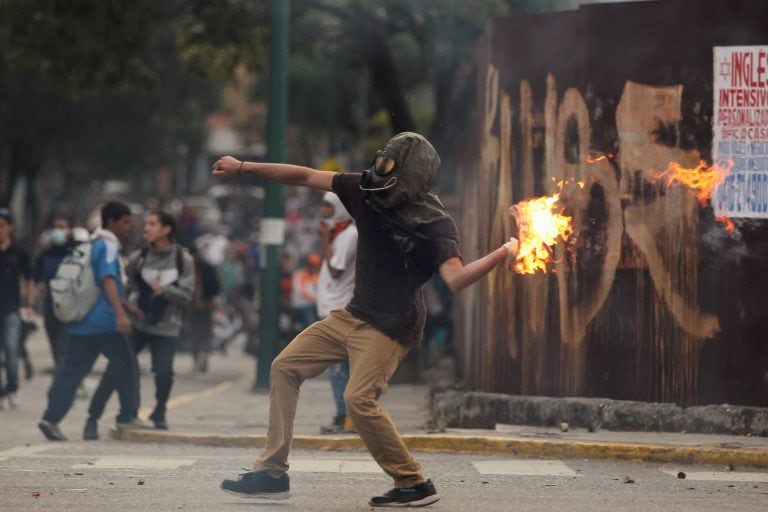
273 223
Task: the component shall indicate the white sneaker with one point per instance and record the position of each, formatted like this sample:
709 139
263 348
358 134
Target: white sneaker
13 401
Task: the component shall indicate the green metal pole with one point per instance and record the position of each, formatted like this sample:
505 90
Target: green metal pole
330 105
273 224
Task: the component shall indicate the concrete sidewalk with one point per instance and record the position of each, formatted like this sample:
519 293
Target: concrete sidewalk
218 408
228 413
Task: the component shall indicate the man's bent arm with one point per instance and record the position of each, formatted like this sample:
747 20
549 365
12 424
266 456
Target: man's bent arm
113 297
325 237
458 276
287 174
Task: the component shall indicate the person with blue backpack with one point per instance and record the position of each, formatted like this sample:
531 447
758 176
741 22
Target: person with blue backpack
161 280
102 329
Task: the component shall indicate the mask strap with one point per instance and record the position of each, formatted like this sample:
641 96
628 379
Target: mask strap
387 185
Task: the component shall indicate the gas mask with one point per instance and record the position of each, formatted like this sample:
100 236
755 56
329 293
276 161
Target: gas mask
400 173
379 176
398 182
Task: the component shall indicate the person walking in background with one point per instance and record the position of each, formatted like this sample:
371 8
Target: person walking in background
199 323
15 268
405 235
161 280
337 282
286 290
226 319
304 292
188 228
245 303
438 330
106 330
28 326
60 243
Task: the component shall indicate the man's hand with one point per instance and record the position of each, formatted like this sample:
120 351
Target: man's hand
156 288
124 324
134 312
512 246
324 230
227 166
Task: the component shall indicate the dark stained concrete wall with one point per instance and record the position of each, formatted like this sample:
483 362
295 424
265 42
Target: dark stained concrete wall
653 300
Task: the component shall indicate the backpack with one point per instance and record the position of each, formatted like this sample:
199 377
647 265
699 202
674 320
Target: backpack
73 289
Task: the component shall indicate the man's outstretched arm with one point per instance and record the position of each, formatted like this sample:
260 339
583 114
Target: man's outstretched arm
286 174
458 276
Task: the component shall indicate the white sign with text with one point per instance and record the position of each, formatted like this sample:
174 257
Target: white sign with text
740 130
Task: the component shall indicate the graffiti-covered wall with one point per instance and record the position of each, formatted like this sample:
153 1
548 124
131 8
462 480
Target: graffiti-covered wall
653 298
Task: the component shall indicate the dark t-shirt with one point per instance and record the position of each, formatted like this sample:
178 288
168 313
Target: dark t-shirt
14 265
392 265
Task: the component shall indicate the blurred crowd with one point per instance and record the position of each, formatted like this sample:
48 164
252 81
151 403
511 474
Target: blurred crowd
220 231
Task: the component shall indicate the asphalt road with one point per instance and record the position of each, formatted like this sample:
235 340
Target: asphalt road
116 476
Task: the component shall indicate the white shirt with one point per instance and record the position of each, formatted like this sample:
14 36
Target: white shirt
213 248
336 293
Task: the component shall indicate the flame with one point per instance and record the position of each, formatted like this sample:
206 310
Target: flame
593 160
728 224
540 223
703 178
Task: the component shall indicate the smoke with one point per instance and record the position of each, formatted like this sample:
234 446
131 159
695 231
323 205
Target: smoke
721 245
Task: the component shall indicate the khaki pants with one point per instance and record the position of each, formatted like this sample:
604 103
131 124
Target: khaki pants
373 358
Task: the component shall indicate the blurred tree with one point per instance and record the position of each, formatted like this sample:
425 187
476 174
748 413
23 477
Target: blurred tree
357 62
412 61
110 88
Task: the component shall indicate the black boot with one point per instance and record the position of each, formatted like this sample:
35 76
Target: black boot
91 430
158 418
336 426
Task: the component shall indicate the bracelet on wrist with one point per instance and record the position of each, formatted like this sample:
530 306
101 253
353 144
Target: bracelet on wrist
240 169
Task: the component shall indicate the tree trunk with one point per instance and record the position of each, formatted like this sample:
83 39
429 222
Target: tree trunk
385 82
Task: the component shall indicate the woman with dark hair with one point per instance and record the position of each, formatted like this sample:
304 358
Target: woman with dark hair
161 280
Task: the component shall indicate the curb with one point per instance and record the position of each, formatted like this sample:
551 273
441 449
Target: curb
482 445
474 409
